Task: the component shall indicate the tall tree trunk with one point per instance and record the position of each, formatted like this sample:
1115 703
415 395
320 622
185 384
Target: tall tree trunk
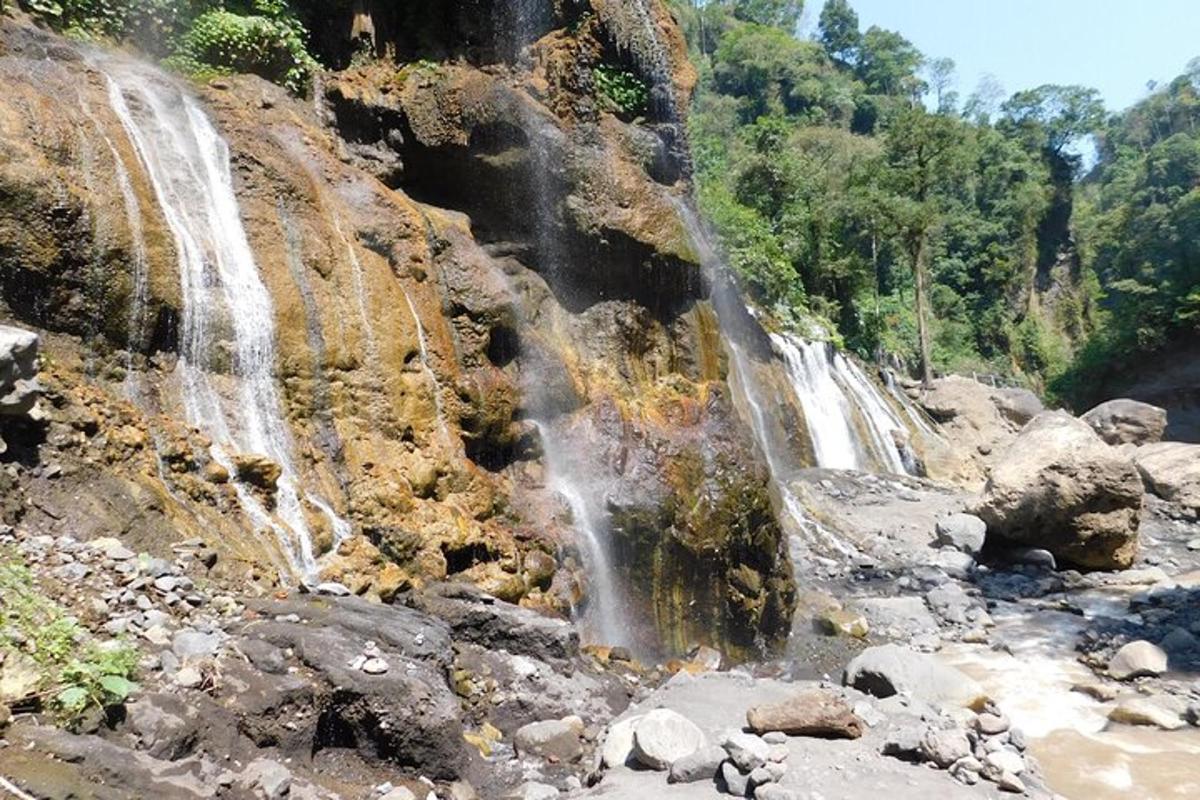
921 279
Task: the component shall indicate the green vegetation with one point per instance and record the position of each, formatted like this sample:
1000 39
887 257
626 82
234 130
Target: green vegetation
75 672
198 37
621 88
1138 217
847 183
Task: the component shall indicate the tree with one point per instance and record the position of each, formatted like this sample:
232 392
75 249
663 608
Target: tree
941 77
783 14
924 156
888 63
1055 116
838 28
985 100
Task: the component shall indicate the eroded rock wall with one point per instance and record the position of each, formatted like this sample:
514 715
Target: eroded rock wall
460 236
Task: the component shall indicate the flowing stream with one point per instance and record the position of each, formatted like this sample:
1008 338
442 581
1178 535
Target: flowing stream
227 331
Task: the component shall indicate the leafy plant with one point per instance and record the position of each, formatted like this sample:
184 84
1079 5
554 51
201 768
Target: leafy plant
625 91
77 672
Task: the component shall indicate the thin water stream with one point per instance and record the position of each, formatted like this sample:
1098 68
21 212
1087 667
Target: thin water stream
227 355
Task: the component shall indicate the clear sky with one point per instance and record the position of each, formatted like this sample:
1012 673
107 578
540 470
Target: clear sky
1115 46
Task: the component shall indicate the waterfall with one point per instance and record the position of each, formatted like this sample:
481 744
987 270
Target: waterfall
225 305
835 394
434 383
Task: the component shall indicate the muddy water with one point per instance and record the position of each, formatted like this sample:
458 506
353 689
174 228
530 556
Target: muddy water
1082 757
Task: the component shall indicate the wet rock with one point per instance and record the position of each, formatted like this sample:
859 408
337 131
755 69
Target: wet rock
1059 486
1137 659
663 736
891 669
257 470
1145 711
810 713
701 765
963 532
1124 421
555 739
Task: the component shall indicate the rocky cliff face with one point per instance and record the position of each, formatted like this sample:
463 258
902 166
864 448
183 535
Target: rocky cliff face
473 259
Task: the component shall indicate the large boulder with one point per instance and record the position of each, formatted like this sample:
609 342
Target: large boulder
890 669
1018 406
1171 471
18 371
1124 421
663 737
1058 486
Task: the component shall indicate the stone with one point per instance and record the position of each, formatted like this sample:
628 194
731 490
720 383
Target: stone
1138 659
663 736
1124 421
1060 487
1005 761
736 782
701 765
19 389
257 470
269 779
1144 711
532 790
811 713
1179 640
904 742
773 737
189 678
963 532
112 549
332 588
944 746
890 669
190 644
398 793
746 750
618 743
836 621
1017 405
773 791
555 739
1171 471
992 724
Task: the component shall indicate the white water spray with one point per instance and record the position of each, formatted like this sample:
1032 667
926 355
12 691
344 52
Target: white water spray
225 303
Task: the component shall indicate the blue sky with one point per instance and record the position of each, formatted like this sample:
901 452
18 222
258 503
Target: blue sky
1112 45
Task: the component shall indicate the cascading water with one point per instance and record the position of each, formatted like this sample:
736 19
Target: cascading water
834 394
223 297
568 471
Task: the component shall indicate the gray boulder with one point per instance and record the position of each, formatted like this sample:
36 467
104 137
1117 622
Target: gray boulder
890 669
944 746
1060 487
1125 421
1171 471
701 765
560 739
964 532
1138 659
663 737
18 371
1017 405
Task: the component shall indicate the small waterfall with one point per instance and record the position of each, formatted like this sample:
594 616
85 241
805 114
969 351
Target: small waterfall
434 383
140 295
226 306
834 394
360 291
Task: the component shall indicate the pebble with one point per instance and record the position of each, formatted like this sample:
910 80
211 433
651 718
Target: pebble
188 678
